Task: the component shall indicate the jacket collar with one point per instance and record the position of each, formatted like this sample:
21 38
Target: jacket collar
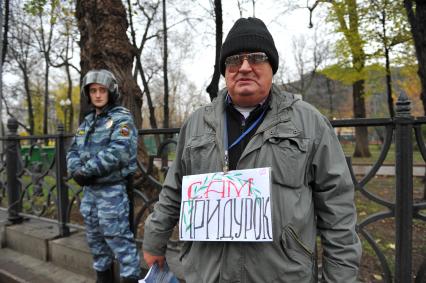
280 102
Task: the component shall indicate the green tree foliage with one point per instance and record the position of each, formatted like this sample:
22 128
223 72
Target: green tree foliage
43 7
387 31
63 111
374 36
35 7
343 73
386 25
347 16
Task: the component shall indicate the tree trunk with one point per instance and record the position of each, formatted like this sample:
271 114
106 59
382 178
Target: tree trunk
386 48
45 48
69 96
46 97
416 17
350 27
213 87
330 92
4 21
151 107
361 133
165 71
104 44
389 84
165 159
29 101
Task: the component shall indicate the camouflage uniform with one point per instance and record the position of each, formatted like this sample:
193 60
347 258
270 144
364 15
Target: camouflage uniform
105 148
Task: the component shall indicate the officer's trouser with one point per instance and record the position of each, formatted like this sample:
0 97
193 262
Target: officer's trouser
105 211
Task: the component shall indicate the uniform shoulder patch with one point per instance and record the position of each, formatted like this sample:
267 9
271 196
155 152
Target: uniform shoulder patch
80 132
125 130
109 123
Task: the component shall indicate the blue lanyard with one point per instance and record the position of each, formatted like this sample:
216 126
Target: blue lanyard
239 139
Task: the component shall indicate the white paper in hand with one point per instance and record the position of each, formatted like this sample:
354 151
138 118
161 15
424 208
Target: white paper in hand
156 275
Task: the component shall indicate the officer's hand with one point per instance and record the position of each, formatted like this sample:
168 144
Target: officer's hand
150 259
81 179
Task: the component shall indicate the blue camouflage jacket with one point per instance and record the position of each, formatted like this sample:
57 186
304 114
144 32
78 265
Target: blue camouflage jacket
105 146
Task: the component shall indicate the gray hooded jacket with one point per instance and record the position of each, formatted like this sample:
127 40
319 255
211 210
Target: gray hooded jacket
312 194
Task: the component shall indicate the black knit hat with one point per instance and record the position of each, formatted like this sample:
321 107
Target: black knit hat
249 35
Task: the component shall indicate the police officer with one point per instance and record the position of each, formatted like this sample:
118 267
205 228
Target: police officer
102 155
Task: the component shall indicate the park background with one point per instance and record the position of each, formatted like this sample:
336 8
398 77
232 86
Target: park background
351 59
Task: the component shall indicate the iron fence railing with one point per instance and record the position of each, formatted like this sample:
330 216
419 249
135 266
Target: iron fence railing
40 186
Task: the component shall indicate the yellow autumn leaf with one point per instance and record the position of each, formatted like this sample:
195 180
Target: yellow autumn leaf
391 246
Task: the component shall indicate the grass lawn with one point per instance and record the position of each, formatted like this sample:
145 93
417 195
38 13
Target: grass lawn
375 149
383 231
41 200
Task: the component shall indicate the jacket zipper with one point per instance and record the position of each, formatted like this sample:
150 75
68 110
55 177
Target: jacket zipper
295 237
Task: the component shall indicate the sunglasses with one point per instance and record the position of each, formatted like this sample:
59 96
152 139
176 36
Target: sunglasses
234 62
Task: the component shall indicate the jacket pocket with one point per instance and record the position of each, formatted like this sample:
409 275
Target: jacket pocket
289 156
201 154
186 247
189 263
86 210
292 243
299 258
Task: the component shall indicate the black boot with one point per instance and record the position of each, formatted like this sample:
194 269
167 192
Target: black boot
129 280
105 276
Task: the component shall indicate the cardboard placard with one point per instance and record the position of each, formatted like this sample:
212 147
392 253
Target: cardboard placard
227 207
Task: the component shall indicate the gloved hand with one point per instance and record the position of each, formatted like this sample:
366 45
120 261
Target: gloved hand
82 179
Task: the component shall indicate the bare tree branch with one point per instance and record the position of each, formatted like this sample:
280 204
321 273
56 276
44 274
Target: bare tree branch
28 130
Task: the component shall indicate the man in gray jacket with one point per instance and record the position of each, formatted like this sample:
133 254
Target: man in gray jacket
253 124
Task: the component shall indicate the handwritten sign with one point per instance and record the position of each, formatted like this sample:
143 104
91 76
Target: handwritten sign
226 207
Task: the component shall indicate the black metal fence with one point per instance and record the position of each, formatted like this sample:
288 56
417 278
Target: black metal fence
34 183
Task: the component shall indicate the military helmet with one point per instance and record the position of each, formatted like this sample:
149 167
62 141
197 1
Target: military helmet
105 78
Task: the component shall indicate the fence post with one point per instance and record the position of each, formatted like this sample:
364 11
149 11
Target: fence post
13 185
61 173
404 189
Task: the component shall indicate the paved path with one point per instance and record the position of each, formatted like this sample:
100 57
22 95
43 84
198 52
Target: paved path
32 252
386 170
16 267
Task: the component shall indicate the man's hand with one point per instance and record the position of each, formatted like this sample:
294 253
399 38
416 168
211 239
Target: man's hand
81 179
150 259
